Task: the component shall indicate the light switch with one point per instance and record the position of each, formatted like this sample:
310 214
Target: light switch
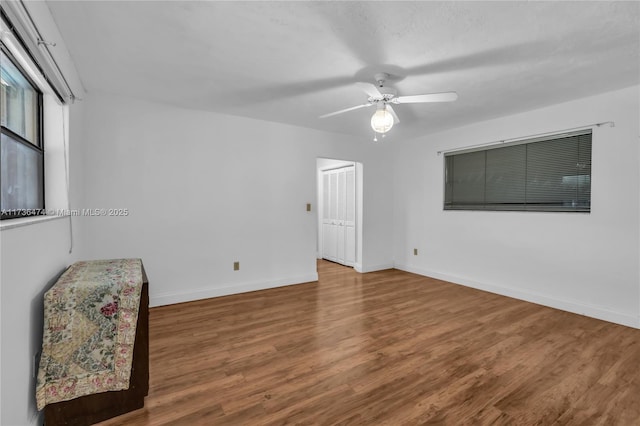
308 207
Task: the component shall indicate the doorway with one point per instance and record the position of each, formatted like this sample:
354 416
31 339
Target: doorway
339 211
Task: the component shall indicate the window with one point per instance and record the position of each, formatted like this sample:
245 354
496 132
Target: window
21 145
544 174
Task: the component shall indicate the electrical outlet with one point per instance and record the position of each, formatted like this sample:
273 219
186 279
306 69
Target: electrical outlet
236 266
415 251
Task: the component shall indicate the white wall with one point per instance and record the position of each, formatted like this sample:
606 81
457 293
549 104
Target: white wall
584 263
32 258
205 190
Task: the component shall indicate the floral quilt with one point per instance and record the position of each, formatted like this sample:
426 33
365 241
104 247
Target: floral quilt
90 317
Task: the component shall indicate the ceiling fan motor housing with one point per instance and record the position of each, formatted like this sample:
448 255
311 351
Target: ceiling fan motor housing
387 93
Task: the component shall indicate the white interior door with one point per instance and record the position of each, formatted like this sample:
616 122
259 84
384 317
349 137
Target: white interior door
328 230
338 221
341 202
350 216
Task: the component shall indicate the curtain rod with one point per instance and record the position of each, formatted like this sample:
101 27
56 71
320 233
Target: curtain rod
40 42
521 138
23 29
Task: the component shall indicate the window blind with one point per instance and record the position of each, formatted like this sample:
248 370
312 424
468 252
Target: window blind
550 174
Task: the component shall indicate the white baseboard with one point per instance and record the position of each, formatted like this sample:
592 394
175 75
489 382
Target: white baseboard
173 297
372 268
565 305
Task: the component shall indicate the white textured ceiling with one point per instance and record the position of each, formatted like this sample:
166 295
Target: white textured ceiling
293 61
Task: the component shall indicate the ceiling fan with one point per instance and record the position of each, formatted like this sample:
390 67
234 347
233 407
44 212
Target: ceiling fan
382 97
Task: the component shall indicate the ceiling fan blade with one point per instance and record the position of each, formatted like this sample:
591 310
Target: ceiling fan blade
431 97
346 110
369 89
396 120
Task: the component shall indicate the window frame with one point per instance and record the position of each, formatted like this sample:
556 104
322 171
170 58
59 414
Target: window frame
449 204
39 148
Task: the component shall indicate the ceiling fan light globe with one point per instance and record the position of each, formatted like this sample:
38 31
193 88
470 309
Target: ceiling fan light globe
382 121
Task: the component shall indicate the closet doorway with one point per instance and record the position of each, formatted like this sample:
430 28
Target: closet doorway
339 208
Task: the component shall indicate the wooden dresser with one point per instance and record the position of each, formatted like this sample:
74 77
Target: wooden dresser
91 409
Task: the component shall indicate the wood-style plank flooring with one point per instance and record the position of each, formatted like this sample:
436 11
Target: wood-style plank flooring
385 348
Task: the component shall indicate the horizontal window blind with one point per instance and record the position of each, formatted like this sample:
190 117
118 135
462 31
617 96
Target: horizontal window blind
552 174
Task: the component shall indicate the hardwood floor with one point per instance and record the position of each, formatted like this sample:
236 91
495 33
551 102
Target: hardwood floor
387 348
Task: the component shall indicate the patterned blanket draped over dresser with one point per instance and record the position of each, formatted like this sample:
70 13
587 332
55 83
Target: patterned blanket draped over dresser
90 317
